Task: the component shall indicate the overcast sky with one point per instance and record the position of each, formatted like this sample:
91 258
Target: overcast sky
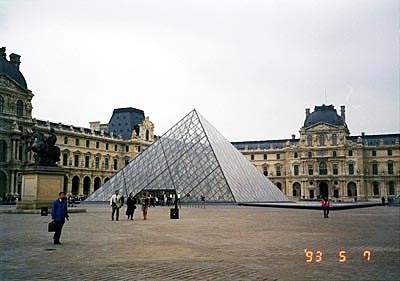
249 67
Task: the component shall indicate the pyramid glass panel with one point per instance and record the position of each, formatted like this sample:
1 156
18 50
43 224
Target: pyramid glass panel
245 181
193 158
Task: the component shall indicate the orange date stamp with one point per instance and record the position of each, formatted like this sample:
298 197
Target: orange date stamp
317 256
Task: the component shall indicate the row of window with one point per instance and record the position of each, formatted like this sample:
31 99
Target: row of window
351 190
389 152
323 169
322 140
95 164
19 109
107 145
296 155
321 153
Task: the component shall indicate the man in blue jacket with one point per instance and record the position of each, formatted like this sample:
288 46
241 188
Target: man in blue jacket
59 212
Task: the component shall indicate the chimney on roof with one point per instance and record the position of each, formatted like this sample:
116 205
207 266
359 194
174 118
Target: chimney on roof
343 113
307 112
15 59
3 53
95 125
293 137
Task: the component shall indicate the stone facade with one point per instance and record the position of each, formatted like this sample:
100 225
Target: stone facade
327 160
89 156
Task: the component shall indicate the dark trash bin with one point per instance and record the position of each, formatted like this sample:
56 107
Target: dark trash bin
44 211
174 214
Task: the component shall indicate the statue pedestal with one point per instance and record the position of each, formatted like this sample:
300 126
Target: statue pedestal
40 186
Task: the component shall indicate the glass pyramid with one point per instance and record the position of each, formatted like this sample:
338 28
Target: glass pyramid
193 158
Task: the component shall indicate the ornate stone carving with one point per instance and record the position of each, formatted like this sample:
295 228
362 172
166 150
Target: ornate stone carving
7 83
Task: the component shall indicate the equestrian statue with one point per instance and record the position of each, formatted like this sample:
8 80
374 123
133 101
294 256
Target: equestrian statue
46 152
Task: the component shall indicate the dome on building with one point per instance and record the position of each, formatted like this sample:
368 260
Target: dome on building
11 68
326 114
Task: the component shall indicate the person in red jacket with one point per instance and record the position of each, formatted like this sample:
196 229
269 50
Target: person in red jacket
325 204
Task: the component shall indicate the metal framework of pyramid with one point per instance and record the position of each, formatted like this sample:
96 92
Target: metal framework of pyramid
193 158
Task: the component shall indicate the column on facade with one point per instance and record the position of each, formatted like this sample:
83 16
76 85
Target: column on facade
12 151
69 185
303 190
16 150
360 188
384 189
80 188
12 181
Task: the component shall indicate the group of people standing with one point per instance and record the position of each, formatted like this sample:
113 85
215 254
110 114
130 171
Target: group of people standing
117 201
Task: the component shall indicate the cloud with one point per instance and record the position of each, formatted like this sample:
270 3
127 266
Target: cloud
249 67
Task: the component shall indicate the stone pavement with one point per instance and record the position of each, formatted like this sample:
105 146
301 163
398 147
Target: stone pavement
216 243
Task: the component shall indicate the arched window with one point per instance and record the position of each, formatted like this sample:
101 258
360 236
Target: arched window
3 151
309 140
375 186
75 185
334 139
97 183
374 168
97 162
390 168
296 170
391 188
1 104
278 171
351 189
76 160
351 169
20 108
86 186
265 170
310 170
321 139
323 170
296 190
147 135
3 185
279 185
335 169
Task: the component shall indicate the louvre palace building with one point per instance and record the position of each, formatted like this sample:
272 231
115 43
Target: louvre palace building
89 156
325 160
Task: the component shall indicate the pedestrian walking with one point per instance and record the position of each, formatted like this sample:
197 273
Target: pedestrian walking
115 203
59 212
130 206
325 204
203 201
145 205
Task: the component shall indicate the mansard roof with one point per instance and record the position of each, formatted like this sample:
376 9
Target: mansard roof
42 123
125 120
385 139
326 114
264 144
10 69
